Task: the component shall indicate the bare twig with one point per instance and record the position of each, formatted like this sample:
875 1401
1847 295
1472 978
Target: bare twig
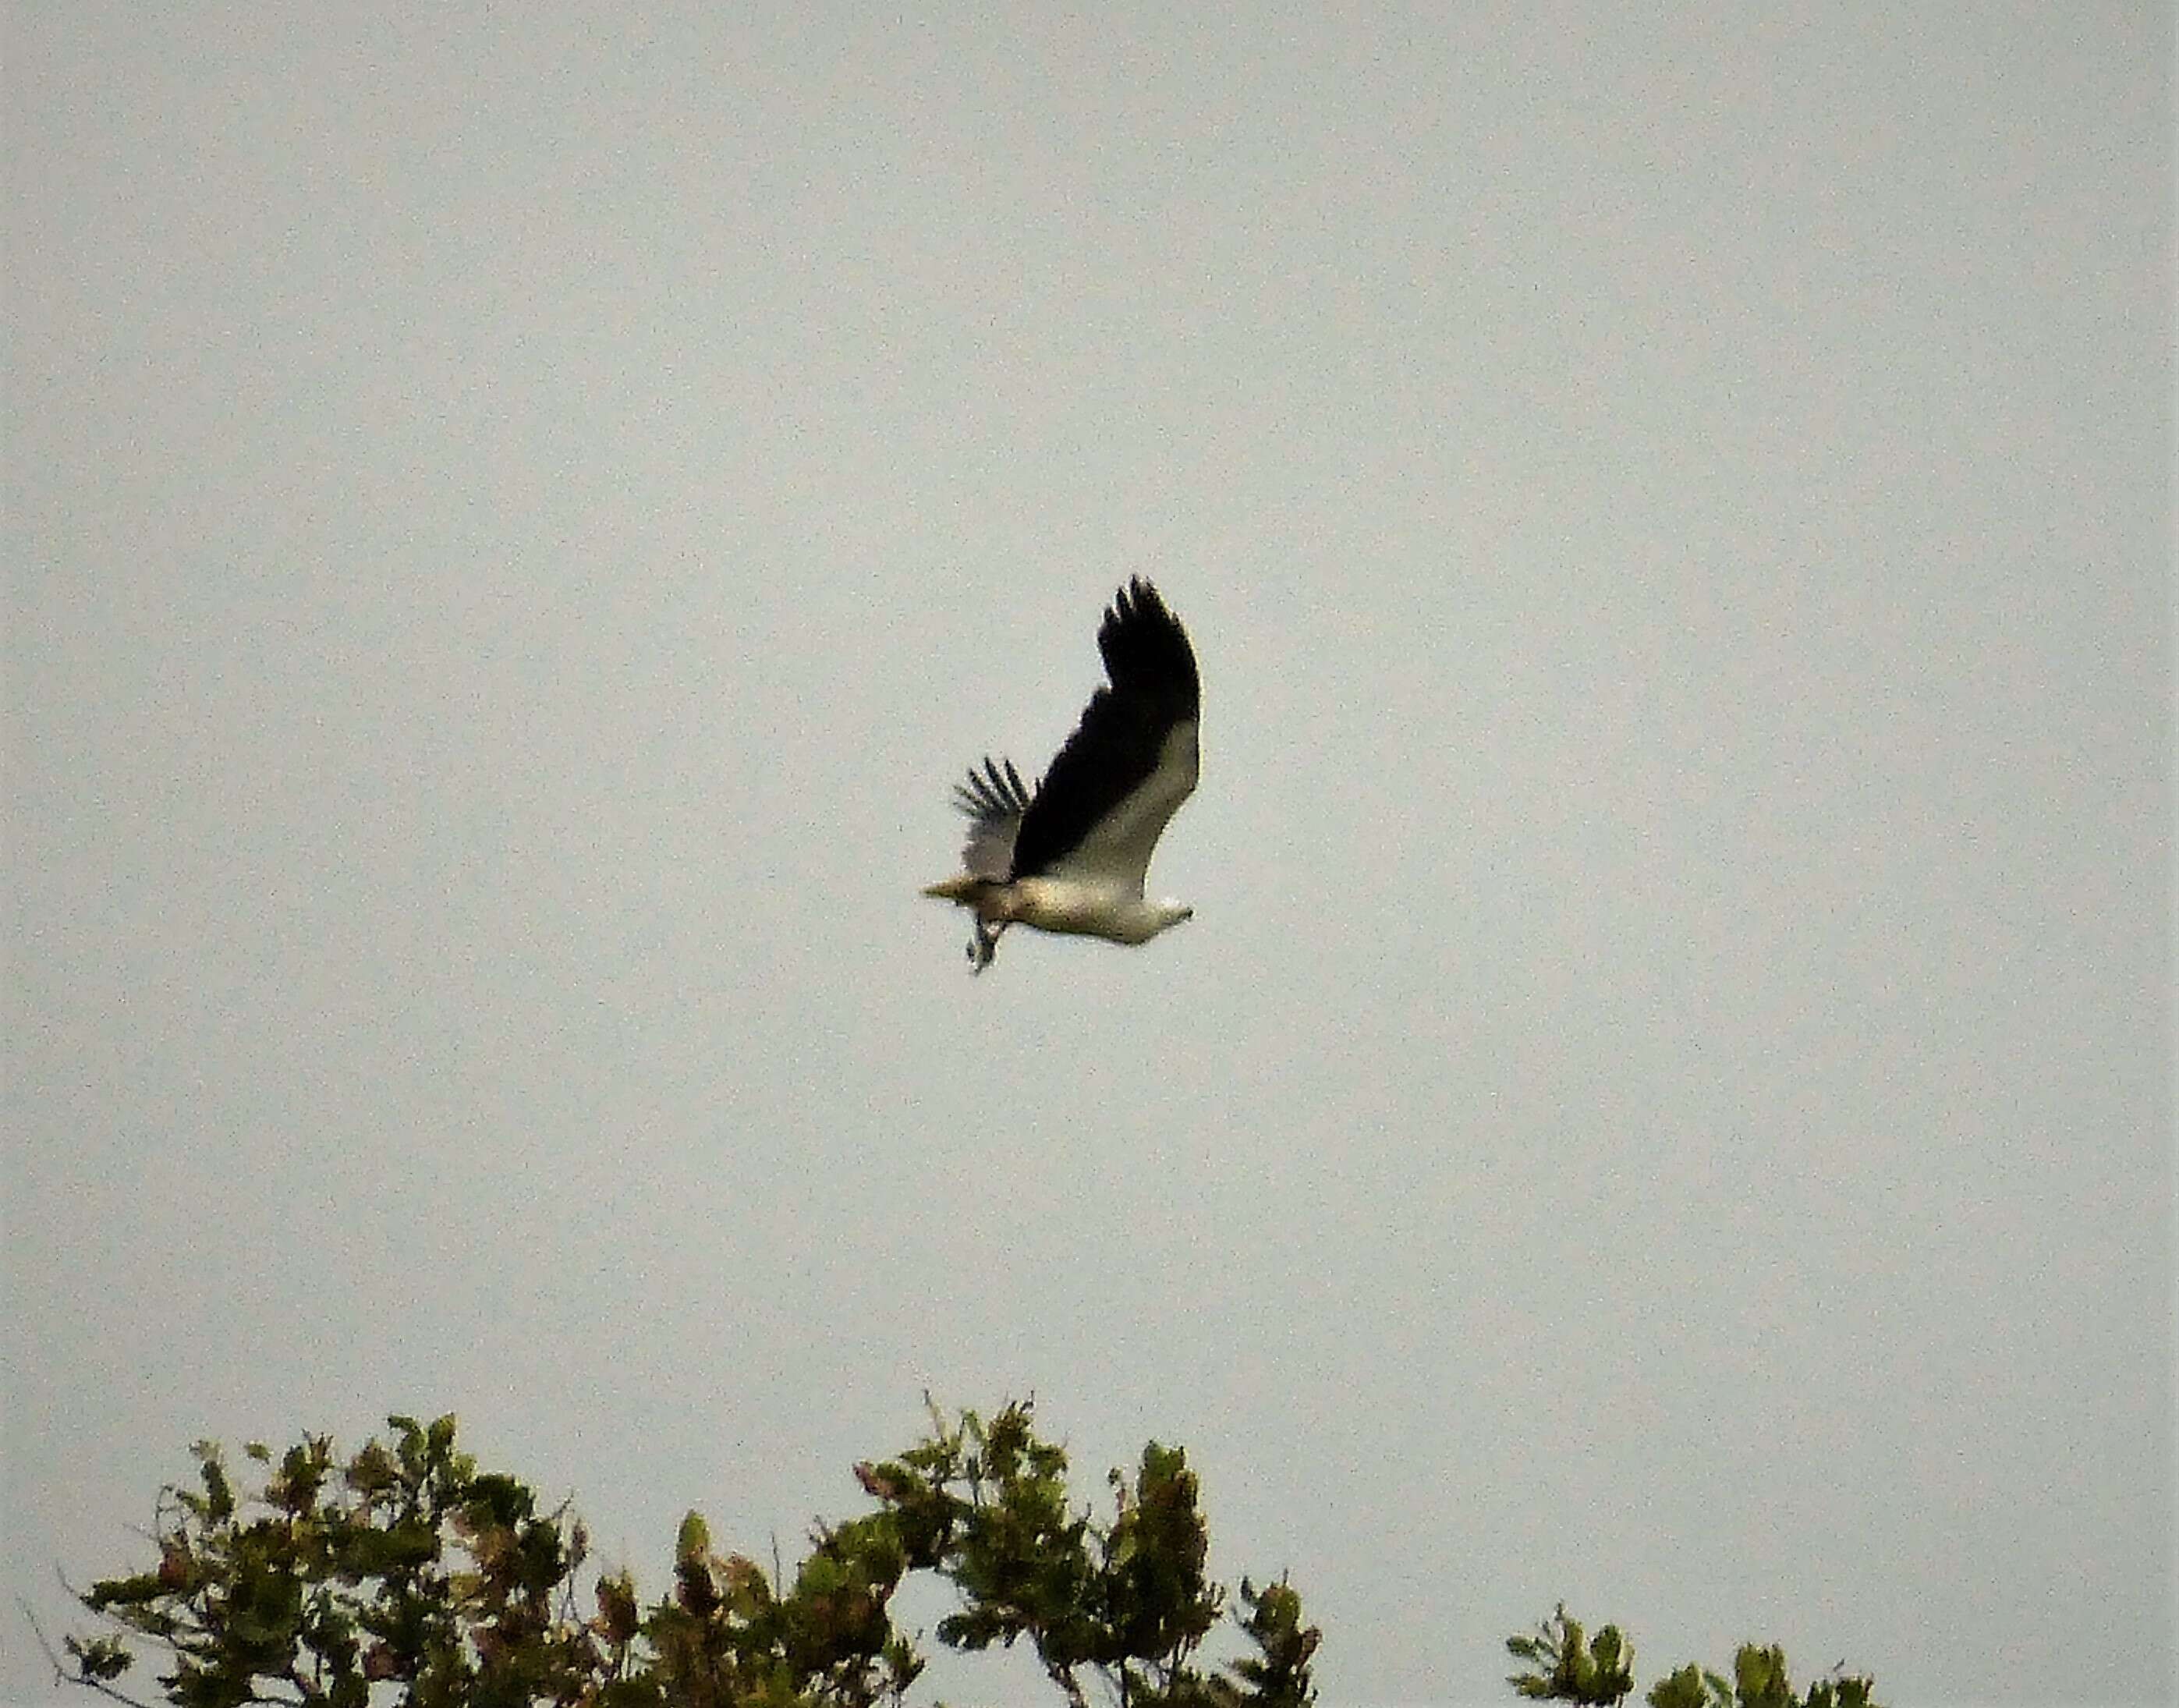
61 1673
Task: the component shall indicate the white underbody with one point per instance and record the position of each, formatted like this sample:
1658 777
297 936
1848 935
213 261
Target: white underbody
1115 912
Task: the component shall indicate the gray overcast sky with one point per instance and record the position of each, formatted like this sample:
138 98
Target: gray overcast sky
516 517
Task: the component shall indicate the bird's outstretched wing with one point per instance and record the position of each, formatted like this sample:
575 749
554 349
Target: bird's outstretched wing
1131 762
995 800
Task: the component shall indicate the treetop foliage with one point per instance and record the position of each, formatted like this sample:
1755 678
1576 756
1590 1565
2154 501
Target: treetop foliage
403 1574
1565 1664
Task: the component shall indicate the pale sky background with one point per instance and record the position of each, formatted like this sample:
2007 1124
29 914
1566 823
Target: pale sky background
517 517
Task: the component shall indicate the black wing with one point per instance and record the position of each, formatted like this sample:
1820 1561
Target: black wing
1141 727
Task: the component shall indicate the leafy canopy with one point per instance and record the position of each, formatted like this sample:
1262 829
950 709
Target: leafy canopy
403 1574
1565 1664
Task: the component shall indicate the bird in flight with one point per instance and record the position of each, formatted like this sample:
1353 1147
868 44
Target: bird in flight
1072 856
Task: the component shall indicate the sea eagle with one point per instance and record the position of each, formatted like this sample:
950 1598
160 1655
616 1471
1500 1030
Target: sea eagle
1070 857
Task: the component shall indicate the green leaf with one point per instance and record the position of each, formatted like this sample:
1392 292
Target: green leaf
100 1660
1690 1688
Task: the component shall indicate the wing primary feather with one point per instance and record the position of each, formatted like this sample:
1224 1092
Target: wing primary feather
994 800
992 793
